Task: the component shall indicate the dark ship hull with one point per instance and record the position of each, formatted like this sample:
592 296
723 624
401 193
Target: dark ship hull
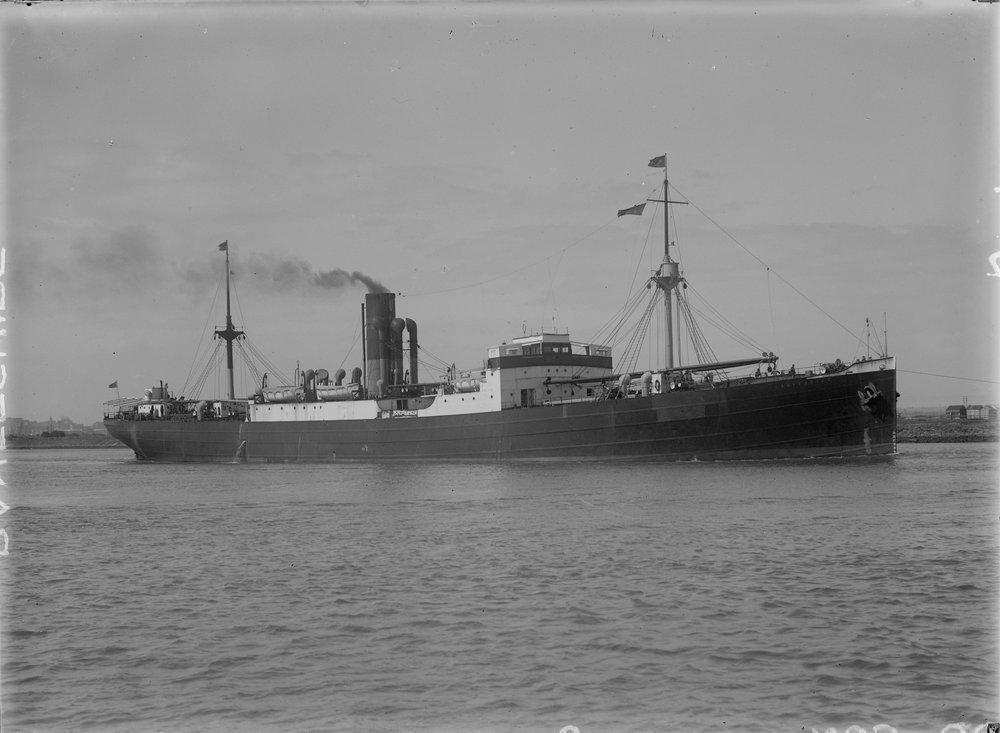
841 414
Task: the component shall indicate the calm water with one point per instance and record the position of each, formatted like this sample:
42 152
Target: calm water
534 596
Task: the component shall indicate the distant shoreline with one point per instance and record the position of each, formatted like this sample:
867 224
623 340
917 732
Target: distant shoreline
30 442
908 430
945 430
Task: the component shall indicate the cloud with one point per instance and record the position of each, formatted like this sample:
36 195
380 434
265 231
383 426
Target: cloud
90 268
129 251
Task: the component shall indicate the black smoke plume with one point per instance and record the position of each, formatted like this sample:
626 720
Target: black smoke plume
293 272
338 278
111 265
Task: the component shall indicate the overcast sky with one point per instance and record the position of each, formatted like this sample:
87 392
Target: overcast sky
472 158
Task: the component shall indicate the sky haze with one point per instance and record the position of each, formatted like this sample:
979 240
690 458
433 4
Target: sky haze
472 159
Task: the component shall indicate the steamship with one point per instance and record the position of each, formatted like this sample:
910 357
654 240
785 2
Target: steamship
539 395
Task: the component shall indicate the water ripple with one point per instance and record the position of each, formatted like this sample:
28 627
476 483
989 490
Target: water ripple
601 595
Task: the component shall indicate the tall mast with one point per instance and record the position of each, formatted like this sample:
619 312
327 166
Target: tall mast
668 294
668 274
230 334
666 214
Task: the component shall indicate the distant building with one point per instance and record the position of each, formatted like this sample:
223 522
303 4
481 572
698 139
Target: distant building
956 412
982 412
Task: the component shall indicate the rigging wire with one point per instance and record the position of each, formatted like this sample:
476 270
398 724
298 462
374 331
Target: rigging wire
770 304
617 316
437 364
607 334
645 243
878 341
244 362
628 333
633 349
675 230
633 333
254 349
421 349
248 363
552 276
764 264
194 389
611 338
429 366
354 341
250 354
209 367
239 306
720 321
201 338
265 362
702 315
611 326
517 270
611 331
703 349
949 376
680 271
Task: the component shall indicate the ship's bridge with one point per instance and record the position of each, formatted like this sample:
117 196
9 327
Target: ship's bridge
527 365
554 349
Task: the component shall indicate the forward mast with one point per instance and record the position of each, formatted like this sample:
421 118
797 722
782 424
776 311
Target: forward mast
668 274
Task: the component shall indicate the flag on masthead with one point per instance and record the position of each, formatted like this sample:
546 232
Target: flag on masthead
113 385
637 210
660 161
224 247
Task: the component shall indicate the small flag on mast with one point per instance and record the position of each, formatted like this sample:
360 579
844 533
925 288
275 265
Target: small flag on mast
224 247
637 210
113 385
660 161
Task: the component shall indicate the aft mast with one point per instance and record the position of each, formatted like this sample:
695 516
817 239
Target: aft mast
668 274
230 334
